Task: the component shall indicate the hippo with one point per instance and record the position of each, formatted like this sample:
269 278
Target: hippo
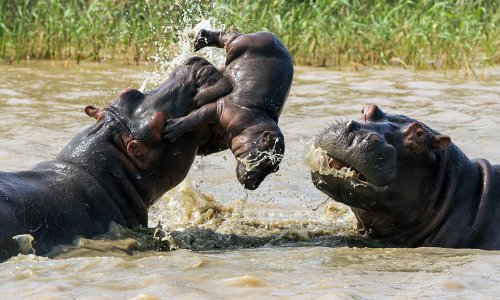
407 184
111 171
260 69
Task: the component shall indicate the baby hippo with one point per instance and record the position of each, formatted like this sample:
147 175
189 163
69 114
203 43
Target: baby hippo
260 69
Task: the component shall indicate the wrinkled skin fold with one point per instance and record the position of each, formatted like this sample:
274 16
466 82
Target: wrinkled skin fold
408 184
113 170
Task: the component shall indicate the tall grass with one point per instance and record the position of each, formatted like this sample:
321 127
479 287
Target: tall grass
424 34
90 29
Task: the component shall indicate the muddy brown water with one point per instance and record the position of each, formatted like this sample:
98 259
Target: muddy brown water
306 244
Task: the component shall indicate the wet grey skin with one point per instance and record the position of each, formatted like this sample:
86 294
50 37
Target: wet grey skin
112 171
413 187
260 69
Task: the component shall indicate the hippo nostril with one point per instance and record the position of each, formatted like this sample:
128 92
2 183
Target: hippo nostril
374 137
372 113
131 94
352 125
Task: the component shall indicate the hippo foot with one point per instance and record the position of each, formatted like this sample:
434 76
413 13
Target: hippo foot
206 38
173 129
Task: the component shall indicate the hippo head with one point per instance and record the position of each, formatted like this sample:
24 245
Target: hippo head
140 124
259 150
141 116
379 164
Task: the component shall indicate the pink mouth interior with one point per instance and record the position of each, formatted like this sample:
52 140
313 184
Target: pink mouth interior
337 164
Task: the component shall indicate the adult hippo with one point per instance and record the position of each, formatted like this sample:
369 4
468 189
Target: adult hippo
407 183
260 69
111 171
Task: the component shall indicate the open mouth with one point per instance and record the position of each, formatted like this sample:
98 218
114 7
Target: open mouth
319 161
342 168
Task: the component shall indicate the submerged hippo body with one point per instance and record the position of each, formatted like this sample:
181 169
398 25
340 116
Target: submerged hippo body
260 69
110 172
408 184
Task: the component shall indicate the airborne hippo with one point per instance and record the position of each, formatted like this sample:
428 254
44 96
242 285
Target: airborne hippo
113 170
408 184
260 70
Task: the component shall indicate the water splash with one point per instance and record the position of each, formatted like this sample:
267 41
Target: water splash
252 161
184 50
24 241
317 160
191 219
186 206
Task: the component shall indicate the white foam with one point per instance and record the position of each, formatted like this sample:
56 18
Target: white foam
251 162
185 50
318 161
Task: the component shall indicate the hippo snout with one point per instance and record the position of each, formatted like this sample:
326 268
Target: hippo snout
251 185
249 179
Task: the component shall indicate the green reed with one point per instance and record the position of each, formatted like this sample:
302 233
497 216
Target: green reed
90 29
423 34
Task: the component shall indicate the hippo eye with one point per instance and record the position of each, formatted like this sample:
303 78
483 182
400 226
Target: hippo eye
389 137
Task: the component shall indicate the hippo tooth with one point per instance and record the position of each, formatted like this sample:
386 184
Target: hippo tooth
319 161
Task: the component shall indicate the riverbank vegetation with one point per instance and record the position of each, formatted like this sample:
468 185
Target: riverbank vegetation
421 34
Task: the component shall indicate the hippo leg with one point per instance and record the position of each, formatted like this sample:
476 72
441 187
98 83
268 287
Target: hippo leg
209 38
206 38
211 93
202 116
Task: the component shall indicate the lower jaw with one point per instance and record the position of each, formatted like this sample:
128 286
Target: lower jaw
336 182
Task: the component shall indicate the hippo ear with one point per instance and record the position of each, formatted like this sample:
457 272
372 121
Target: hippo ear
414 137
156 125
441 142
94 112
137 149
